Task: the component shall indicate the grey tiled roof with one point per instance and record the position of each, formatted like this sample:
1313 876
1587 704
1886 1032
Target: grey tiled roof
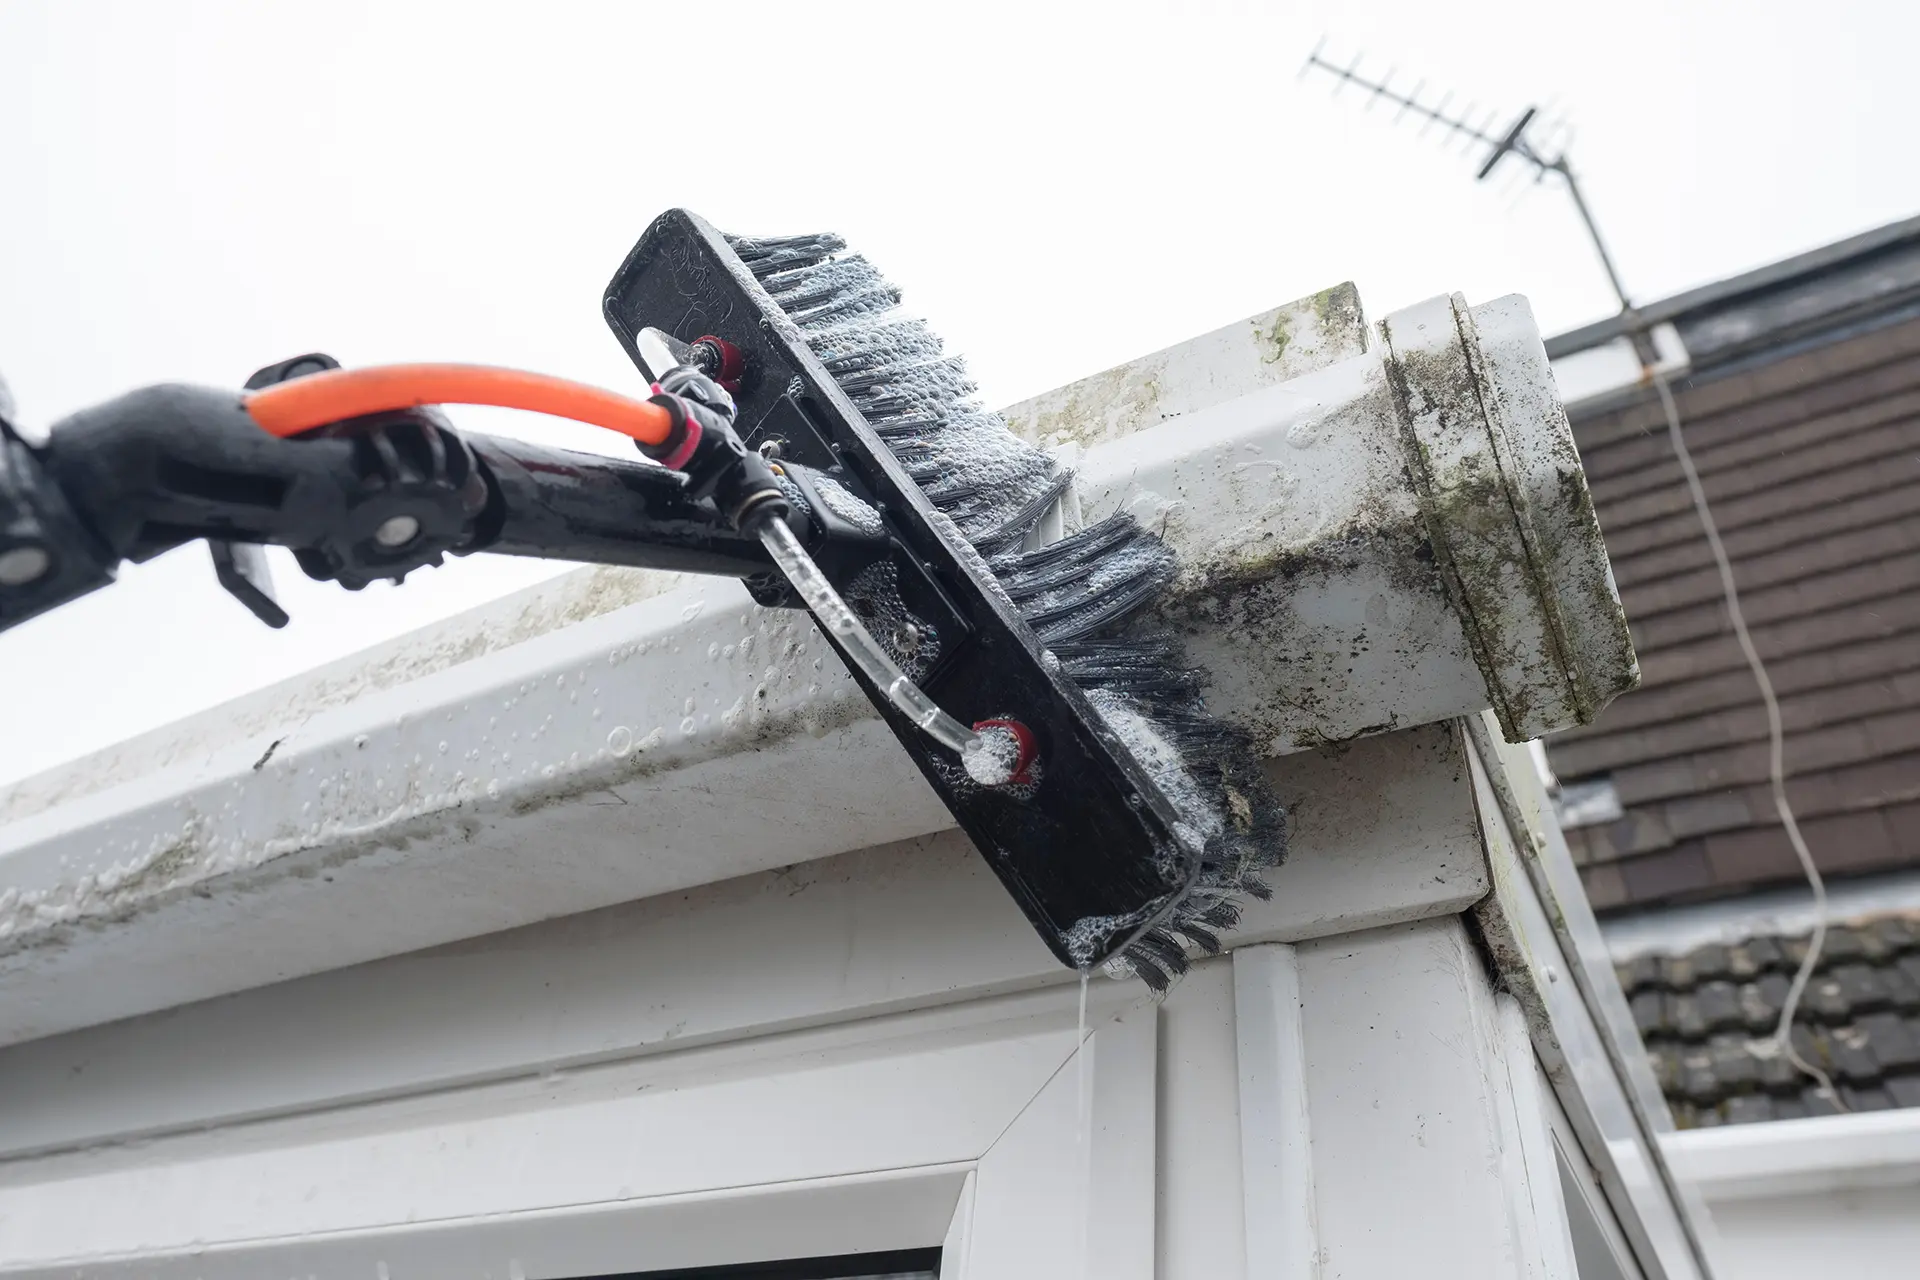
1707 1018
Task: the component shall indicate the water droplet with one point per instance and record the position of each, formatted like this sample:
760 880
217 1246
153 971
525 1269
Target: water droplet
620 741
688 708
688 725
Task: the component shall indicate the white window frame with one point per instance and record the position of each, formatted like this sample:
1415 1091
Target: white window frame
961 1127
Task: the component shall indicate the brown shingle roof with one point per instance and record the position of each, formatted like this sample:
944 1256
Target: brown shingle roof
1811 458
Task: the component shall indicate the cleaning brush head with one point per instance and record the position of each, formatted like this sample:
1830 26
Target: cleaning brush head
1149 820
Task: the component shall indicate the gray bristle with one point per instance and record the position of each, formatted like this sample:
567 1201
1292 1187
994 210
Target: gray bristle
1081 594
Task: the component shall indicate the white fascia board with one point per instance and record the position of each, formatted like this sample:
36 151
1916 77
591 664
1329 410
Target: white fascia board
1383 834
612 760
1800 1157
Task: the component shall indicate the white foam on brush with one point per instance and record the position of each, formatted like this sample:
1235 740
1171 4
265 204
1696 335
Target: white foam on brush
1199 822
1088 934
969 447
1163 763
993 757
849 508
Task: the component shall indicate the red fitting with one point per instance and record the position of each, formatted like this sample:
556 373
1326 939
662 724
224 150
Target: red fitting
733 363
1029 749
677 455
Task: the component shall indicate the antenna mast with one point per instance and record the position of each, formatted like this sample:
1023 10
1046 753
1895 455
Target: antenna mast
1513 142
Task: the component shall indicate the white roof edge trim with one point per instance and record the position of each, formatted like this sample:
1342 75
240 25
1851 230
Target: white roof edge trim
1798 1157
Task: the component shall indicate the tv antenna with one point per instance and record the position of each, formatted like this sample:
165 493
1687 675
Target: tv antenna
1513 142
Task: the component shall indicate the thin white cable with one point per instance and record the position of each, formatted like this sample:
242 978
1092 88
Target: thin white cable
1776 748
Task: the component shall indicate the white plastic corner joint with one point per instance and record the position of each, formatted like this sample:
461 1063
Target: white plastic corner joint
1399 537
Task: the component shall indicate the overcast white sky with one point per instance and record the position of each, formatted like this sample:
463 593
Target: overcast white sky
190 191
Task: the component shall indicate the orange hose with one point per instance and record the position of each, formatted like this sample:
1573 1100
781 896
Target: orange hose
289 408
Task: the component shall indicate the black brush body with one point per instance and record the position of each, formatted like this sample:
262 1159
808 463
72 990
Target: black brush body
1147 820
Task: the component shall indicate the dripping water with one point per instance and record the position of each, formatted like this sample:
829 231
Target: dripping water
1083 1113
1079 1053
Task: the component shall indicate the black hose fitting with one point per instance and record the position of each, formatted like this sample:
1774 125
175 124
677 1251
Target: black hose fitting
704 447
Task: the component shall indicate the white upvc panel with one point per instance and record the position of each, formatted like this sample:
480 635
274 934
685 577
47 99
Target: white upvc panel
850 1139
1600 1249
1383 832
1802 1157
1068 1190
1120 1114
1792 1199
892 1209
1406 1083
1535 1204
1276 1132
954 1251
1201 1225
1540 931
596 1139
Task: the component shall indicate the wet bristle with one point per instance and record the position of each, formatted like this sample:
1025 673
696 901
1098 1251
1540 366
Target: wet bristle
1083 594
